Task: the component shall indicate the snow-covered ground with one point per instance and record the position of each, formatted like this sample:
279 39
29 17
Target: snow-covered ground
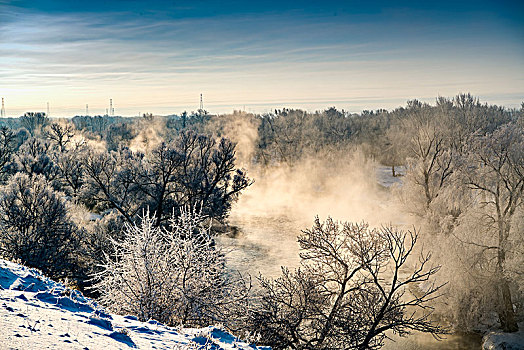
38 313
504 341
385 176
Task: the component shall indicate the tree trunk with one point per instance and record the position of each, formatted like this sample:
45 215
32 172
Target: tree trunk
393 171
426 189
506 313
507 318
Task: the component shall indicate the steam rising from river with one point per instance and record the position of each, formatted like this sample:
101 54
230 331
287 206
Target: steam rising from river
286 198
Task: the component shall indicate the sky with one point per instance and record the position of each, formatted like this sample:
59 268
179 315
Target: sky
159 56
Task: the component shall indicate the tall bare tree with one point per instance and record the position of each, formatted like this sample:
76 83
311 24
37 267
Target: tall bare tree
431 160
60 135
494 171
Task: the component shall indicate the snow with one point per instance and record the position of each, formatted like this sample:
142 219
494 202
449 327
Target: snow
38 313
385 177
504 341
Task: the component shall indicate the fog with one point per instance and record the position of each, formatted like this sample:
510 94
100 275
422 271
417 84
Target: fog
285 199
278 174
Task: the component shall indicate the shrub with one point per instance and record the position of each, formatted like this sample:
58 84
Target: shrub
35 227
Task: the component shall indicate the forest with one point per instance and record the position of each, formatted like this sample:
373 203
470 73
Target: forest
133 212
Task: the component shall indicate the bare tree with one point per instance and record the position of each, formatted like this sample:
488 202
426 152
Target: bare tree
60 135
107 184
192 171
351 288
431 160
34 122
494 171
71 169
393 148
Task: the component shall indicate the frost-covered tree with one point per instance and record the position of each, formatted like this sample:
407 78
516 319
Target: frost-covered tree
35 227
107 184
7 146
176 275
352 287
34 122
493 170
59 135
430 160
463 182
34 157
70 169
96 241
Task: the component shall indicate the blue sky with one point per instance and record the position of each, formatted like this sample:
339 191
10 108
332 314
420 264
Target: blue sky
158 56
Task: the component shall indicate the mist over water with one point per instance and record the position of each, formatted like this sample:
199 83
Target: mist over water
269 219
285 200
419 341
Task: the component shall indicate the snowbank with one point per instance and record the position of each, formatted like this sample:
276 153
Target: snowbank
503 341
38 313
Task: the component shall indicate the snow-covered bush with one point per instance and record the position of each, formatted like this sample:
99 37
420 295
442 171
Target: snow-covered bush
35 227
175 275
34 158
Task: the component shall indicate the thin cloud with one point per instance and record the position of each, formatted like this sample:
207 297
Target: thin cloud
245 60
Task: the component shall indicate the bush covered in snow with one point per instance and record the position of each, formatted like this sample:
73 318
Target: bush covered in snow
175 275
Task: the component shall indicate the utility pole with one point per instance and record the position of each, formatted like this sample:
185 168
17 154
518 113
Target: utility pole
48 109
111 110
201 103
2 111
87 109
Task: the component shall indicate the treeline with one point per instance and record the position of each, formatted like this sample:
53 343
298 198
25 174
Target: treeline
56 179
132 202
124 210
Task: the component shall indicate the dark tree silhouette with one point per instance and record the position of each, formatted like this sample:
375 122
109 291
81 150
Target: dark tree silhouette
35 227
193 171
351 288
7 147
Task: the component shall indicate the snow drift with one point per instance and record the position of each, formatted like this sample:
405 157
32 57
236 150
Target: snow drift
38 313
